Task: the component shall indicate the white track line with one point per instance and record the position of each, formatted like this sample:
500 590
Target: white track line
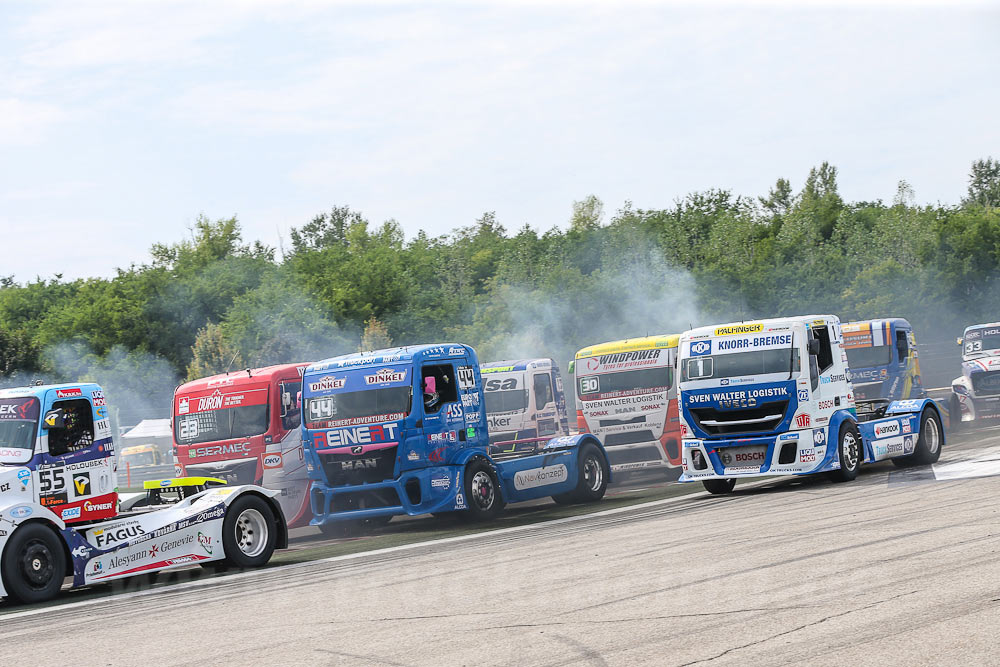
362 554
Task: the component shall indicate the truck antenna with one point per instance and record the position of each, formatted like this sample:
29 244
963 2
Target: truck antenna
249 374
231 362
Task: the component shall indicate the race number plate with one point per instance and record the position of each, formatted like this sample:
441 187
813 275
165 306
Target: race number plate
749 457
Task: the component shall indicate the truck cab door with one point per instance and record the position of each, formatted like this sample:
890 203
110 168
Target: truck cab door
544 404
827 377
443 421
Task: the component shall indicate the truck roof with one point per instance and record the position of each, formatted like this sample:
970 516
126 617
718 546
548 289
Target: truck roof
515 365
977 326
394 355
39 390
630 344
235 378
753 326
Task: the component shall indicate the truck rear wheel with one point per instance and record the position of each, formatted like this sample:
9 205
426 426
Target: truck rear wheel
719 487
592 477
34 564
248 532
928 448
482 492
849 453
954 414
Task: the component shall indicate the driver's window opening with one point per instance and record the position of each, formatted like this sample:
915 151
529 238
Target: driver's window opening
543 390
77 433
902 346
824 360
291 404
439 387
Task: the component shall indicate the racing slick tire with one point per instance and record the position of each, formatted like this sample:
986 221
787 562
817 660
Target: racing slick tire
954 414
592 478
928 447
719 487
249 532
33 564
850 452
482 492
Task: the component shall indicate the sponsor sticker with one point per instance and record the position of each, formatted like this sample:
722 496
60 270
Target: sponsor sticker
733 329
535 477
887 429
701 347
272 461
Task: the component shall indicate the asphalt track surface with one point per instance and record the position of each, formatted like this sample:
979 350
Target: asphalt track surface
898 567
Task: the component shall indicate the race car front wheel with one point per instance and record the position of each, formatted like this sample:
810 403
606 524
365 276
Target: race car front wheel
34 564
248 533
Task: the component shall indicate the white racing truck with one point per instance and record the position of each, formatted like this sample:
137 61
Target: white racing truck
975 395
59 514
772 397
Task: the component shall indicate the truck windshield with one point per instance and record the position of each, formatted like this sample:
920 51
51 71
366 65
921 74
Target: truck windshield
506 401
738 364
868 357
358 407
222 424
18 422
660 378
981 340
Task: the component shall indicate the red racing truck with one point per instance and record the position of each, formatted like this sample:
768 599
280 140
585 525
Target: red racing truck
243 427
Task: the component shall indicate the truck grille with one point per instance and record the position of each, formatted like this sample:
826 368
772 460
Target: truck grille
986 384
374 466
629 438
760 419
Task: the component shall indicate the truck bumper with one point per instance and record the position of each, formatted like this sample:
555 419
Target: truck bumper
802 452
422 491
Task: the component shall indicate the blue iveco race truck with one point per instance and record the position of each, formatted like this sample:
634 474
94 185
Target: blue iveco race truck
774 397
404 431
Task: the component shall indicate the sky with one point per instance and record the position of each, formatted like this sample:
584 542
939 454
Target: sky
121 122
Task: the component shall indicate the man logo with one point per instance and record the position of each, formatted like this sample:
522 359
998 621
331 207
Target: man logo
82 484
701 347
357 449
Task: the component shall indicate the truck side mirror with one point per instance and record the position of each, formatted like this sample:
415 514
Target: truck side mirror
54 419
958 340
813 347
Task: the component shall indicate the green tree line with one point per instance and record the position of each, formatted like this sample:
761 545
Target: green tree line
215 300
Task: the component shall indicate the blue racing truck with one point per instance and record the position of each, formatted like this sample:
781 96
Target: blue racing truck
404 431
773 397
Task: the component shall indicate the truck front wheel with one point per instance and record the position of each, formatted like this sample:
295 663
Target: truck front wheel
849 452
719 487
482 492
34 564
248 532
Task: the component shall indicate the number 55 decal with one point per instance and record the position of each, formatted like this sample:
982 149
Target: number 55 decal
52 480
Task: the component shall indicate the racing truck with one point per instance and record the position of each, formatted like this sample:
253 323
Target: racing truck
404 431
525 403
59 512
626 396
244 427
975 395
883 361
773 397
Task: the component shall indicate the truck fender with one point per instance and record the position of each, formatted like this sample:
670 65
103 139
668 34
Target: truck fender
577 442
16 514
837 419
910 406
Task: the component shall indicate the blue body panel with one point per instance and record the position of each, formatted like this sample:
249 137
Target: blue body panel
411 461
